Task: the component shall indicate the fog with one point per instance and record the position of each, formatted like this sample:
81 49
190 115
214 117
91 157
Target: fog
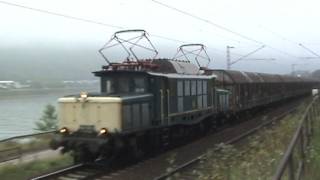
38 45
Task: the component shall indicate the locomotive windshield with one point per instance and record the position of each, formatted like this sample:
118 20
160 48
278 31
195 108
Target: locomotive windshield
123 85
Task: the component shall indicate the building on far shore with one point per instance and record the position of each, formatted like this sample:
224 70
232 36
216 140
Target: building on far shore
80 83
11 85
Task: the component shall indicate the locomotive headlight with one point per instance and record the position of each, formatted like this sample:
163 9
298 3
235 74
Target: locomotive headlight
103 131
84 95
63 130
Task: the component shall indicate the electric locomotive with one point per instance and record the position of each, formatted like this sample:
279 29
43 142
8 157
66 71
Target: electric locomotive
139 104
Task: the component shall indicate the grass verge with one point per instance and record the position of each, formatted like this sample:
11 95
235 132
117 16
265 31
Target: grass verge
31 169
313 161
20 146
255 158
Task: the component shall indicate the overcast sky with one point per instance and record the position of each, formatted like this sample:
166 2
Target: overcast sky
279 24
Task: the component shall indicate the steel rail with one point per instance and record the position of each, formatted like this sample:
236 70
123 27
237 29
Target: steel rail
89 171
26 136
231 141
59 172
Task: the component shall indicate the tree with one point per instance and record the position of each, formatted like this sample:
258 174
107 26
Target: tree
48 121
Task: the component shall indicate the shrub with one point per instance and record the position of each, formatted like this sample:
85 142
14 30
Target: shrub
48 121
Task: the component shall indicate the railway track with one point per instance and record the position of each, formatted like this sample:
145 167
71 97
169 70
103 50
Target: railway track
79 171
185 157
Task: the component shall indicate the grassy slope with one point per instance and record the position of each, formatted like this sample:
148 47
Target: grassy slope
313 162
255 159
27 170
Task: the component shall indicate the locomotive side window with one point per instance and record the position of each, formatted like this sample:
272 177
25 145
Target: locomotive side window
199 89
110 86
113 85
123 86
199 93
180 95
139 85
204 85
187 88
193 87
205 97
180 88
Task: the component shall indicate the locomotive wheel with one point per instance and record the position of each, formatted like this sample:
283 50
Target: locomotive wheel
136 150
137 153
83 156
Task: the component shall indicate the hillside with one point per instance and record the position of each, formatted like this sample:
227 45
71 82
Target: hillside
48 63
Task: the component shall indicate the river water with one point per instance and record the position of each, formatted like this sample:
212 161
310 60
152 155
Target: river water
20 109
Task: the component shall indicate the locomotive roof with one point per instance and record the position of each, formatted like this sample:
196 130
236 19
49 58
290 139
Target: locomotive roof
175 66
168 75
155 65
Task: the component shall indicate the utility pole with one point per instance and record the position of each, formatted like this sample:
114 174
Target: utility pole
228 57
229 62
292 69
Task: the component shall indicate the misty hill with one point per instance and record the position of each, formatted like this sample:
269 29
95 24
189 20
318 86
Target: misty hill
54 62
45 63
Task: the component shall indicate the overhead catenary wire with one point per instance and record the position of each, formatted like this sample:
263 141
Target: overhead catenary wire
61 15
222 27
309 50
120 27
95 22
207 21
81 19
241 58
278 35
291 41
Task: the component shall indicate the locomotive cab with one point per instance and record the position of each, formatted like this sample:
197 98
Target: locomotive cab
123 106
117 84
104 112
